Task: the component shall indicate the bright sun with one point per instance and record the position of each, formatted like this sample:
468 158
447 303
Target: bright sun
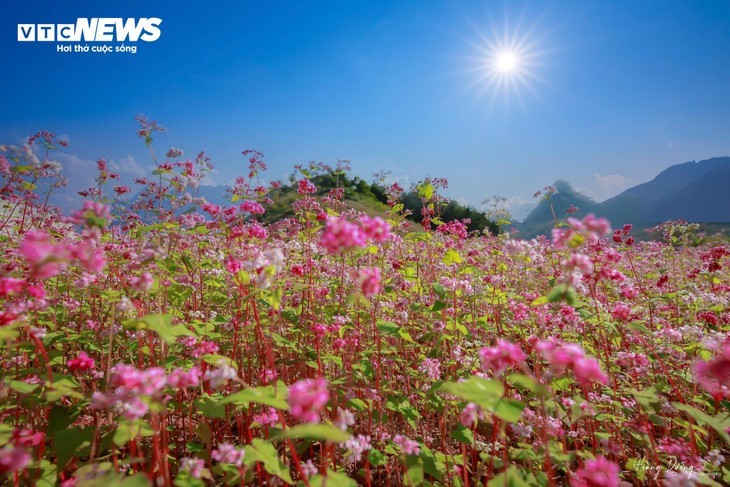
506 62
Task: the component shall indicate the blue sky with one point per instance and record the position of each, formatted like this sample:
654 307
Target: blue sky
617 91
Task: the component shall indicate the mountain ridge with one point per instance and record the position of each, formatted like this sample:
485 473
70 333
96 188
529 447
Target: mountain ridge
697 191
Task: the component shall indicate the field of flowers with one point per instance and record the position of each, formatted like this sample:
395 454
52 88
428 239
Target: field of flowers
166 340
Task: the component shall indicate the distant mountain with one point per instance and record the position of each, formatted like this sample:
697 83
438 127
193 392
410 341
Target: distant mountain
693 191
679 191
561 202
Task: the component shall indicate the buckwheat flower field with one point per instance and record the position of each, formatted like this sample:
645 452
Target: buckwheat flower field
162 339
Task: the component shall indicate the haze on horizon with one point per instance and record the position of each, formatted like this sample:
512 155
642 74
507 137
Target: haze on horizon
498 97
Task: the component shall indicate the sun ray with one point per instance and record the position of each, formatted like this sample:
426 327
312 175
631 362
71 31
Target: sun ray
506 61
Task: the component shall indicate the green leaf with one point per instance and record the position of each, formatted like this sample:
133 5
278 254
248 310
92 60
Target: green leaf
60 418
376 458
177 294
463 434
393 329
414 475
509 478
639 326
62 386
70 441
388 327
487 394
22 387
262 451
48 474
482 392
452 257
9 332
138 480
126 432
439 289
509 409
525 382
215 359
162 325
557 293
719 425
211 407
403 406
317 432
647 398
274 397
333 479
425 191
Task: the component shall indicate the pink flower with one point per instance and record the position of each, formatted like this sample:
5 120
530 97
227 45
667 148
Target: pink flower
498 358
211 209
45 258
253 207
470 414
13 459
597 227
375 229
121 189
267 418
597 473
578 262
90 257
180 378
571 355
227 453
81 362
11 285
220 375
305 186
714 375
587 370
407 446
344 419
194 466
621 312
560 355
174 152
368 281
307 398
340 234
431 367
129 381
27 437
356 445
142 283
134 408
591 229
309 469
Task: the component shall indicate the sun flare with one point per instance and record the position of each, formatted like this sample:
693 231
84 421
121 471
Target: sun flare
507 59
506 62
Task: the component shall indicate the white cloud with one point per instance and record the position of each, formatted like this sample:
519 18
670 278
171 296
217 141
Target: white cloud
519 206
127 166
212 178
612 182
80 172
585 191
608 185
462 201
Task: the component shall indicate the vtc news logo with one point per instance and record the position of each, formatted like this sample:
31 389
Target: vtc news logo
93 29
